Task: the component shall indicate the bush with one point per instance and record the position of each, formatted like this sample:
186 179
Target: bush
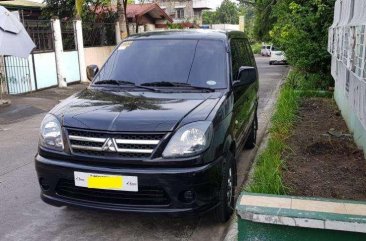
256 48
301 80
301 30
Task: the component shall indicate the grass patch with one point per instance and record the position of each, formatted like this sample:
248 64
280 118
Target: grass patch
267 173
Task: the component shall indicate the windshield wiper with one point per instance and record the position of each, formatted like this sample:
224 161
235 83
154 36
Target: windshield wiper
122 83
177 84
113 82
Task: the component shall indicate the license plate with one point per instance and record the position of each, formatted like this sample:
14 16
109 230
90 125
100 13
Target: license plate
106 182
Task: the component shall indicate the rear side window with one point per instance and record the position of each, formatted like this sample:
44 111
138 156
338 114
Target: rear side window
241 55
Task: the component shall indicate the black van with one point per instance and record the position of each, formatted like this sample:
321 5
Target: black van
159 128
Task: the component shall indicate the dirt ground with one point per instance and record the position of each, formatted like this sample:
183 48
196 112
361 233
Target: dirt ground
322 159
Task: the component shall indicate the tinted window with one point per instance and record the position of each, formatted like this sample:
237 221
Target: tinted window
241 55
197 62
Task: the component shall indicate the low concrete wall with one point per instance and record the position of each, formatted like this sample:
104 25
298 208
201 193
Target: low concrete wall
285 218
97 55
225 27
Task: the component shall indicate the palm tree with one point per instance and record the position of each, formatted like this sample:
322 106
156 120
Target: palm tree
79 8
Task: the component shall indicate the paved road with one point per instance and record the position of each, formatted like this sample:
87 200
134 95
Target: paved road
23 216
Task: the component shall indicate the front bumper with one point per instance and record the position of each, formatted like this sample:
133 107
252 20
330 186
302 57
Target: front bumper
167 185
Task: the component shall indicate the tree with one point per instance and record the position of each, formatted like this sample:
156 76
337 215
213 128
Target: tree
122 18
227 12
209 17
86 10
264 19
301 30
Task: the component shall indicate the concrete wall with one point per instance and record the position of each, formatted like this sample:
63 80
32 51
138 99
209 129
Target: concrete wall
225 27
97 55
347 44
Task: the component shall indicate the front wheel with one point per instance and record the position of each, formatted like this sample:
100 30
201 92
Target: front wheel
252 138
227 192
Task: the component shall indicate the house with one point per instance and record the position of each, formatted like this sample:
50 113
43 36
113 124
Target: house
146 17
347 45
27 10
185 10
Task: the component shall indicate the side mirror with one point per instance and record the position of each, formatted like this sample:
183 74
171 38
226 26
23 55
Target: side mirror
246 76
91 71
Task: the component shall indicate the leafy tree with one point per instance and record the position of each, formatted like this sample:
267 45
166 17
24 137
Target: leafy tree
209 17
66 9
227 12
247 10
301 30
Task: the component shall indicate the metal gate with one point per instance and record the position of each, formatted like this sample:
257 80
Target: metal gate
15 74
70 54
20 75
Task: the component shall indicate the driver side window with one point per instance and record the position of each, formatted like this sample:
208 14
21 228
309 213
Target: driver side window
240 55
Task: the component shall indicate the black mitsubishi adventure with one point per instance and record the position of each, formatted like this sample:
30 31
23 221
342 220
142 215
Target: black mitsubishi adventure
159 128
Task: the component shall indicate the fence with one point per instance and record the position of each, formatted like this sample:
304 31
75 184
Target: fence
68 35
41 34
51 64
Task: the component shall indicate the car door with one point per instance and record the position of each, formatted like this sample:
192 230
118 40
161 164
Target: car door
244 96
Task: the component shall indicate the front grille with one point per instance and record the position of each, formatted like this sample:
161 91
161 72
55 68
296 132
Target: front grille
123 145
147 196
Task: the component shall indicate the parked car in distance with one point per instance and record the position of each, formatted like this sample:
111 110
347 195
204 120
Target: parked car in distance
266 50
159 129
277 57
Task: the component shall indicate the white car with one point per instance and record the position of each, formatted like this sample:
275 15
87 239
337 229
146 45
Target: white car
277 57
266 50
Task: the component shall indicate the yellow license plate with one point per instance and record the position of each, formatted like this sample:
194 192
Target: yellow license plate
105 181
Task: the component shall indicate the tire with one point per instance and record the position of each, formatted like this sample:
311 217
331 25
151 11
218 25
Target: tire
252 138
270 63
226 207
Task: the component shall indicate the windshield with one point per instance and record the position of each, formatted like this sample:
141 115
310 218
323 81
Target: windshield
200 63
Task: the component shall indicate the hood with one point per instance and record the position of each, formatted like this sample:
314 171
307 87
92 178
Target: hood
129 112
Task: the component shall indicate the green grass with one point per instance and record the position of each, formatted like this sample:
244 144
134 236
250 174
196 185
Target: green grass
267 176
256 48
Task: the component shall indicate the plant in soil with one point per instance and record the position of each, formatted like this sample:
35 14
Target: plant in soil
267 176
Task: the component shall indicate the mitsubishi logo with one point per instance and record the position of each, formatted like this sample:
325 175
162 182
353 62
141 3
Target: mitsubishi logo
110 145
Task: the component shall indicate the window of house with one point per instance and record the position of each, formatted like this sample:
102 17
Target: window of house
345 45
180 13
339 43
359 62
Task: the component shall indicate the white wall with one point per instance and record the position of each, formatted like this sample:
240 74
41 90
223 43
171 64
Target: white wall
97 55
225 27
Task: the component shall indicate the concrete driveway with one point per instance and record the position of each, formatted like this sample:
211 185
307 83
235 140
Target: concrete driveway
23 216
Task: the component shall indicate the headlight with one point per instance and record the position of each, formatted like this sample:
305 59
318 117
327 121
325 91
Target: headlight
51 134
190 140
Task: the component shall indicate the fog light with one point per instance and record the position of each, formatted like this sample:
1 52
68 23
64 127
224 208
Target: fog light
43 184
188 196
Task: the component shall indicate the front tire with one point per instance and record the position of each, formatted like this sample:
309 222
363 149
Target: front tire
227 191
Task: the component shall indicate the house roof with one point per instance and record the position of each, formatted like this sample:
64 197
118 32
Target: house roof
153 9
22 4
